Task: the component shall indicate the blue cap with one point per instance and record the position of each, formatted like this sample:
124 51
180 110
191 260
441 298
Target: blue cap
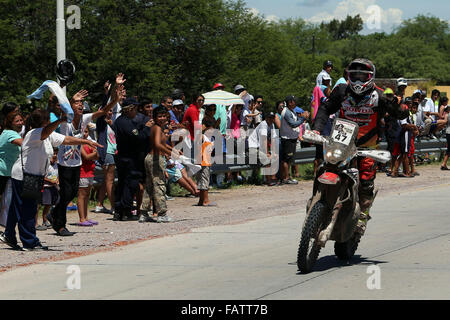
298 110
129 102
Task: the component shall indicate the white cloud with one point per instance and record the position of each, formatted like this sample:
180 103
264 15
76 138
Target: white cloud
253 11
374 16
271 18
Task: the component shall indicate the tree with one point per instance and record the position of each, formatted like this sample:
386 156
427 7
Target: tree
27 47
191 44
426 28
344 29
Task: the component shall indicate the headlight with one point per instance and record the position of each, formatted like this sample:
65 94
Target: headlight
337 153
334 156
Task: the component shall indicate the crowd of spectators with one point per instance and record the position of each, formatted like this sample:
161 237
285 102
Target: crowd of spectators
428 120
130 143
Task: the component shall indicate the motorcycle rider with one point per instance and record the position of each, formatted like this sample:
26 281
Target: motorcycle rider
362 102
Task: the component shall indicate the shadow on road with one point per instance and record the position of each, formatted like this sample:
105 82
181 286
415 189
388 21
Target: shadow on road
330 262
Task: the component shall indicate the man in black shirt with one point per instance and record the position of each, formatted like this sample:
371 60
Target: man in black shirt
131 137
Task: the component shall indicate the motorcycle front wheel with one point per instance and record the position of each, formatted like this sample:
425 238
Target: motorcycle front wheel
346 250
308 250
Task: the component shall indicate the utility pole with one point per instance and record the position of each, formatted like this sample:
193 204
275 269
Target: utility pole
60 33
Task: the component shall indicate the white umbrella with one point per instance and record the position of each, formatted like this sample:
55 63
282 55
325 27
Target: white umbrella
222 97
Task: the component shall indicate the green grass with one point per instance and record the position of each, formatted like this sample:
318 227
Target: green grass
305 171
177 191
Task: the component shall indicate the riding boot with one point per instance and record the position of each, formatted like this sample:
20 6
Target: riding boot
362 222
365 201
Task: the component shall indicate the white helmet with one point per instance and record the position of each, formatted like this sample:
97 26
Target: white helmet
401 82
361 75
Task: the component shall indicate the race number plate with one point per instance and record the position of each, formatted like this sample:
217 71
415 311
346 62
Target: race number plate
343 132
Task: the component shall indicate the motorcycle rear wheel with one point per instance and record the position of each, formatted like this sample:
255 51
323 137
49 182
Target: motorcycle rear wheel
308 250
346 250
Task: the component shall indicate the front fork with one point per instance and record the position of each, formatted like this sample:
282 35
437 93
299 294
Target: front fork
325 234
349 193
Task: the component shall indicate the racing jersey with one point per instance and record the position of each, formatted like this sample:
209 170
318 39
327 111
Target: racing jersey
366 110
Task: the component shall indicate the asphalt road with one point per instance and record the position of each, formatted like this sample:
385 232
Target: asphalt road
407 242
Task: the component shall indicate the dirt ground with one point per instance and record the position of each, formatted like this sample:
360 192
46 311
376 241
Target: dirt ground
235 206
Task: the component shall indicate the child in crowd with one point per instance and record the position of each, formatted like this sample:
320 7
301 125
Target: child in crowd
109 165
50 194
155 166
88 155
204 174
174 171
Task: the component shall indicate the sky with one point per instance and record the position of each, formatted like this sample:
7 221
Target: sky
378 15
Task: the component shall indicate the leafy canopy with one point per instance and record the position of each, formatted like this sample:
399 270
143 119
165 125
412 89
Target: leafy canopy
191 44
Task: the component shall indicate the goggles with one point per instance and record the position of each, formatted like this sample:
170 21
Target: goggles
360 75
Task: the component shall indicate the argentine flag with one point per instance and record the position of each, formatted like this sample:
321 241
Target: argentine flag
58 92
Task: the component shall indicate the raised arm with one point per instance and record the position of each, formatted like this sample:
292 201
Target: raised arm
79 96
48 129
72 141
117 95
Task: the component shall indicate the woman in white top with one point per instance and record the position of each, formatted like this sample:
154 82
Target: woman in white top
37 149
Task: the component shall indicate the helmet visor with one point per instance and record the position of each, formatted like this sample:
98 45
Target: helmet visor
360 75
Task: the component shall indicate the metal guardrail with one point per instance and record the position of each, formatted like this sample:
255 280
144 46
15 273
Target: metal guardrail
307 155
302 156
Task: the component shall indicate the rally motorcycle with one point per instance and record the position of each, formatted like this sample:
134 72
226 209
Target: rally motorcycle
333 211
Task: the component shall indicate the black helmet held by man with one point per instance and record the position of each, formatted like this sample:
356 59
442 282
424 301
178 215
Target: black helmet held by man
65 71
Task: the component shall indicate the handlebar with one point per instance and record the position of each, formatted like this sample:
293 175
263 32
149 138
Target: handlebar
382 156
313 137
